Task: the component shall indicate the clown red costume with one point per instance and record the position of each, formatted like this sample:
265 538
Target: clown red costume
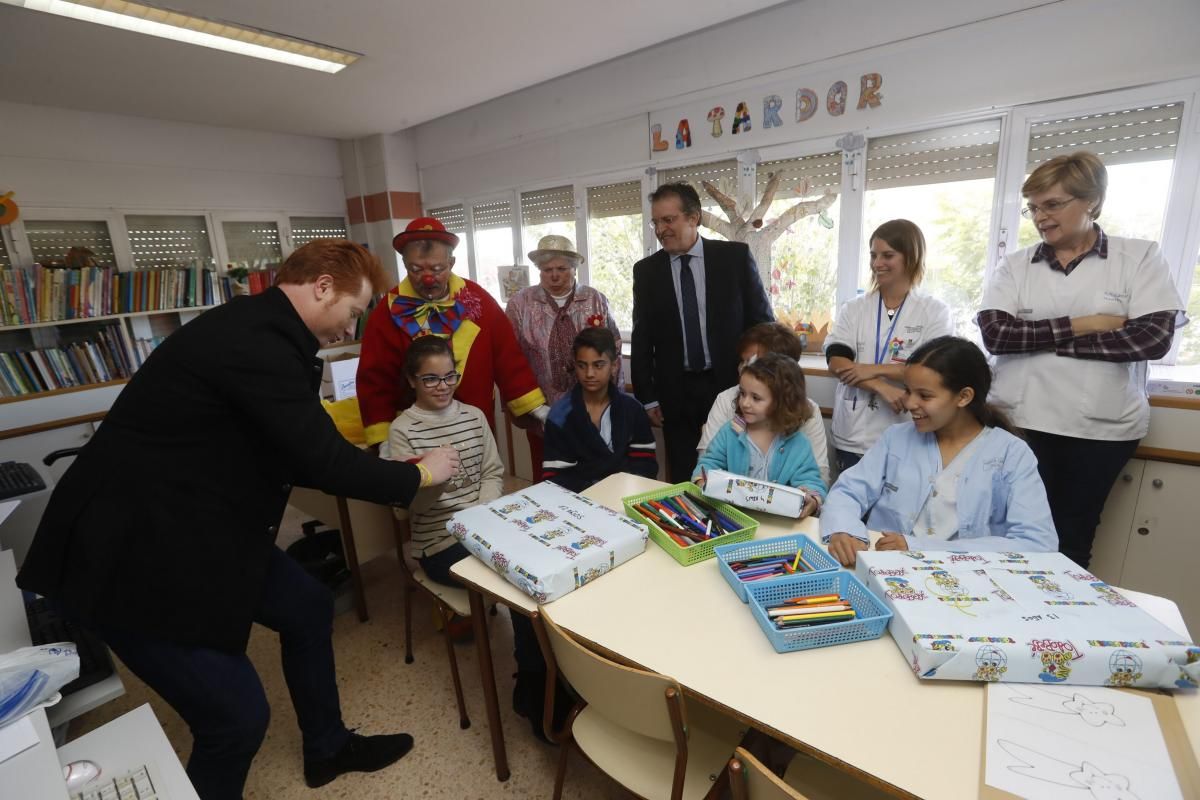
485 347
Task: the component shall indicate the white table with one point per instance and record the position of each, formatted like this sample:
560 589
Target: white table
840 704
36 771
130 741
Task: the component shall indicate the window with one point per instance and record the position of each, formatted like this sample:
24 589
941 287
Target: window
802 260
1137 146
723 175
615 244
51 239
546 212
306 229
254 245
493 242
944 181
1189 336
454 218
168 241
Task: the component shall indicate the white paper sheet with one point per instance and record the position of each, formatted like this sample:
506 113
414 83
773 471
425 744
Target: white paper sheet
17 737
1066 742
6 508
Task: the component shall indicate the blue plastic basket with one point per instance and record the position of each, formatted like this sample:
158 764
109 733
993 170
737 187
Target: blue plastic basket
781 545
871 622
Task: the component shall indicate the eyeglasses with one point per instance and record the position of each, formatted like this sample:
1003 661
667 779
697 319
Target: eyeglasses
431 381
1050 207
668 221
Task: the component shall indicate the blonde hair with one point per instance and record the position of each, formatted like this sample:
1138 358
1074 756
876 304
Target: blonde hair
1081 175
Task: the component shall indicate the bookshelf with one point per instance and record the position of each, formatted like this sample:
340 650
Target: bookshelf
63 331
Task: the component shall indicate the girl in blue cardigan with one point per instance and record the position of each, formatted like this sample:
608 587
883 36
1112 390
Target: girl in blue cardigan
765 441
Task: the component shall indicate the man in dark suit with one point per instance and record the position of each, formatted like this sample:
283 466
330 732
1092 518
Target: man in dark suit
161 535
692 301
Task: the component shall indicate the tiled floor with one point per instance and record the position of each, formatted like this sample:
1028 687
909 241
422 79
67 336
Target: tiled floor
379 694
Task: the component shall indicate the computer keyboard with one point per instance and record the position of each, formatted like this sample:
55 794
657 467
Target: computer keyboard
134 785
18 478
47 627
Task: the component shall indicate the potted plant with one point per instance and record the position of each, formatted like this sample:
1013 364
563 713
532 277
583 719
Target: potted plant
240 278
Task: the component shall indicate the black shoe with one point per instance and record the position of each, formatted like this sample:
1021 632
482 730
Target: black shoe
529 701
358 754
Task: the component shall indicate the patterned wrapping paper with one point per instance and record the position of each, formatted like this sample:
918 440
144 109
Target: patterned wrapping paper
1024 618
547 541
743 492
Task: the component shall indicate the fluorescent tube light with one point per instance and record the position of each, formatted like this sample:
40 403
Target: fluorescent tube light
179 27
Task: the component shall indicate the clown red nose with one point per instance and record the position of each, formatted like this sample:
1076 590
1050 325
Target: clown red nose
428 280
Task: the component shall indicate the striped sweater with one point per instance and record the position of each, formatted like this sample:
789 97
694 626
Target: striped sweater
576 455
417 431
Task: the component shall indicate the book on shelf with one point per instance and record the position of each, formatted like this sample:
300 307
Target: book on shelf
43 294
97 355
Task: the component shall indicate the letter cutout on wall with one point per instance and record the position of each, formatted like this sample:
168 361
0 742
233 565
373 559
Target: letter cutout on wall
868 90
806 104
657 142
683 135
771 105
715 116
741 118
835 101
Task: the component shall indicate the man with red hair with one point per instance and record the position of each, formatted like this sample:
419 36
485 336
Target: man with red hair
432 300
161 535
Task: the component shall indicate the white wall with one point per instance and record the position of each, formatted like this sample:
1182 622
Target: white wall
937 58
58 158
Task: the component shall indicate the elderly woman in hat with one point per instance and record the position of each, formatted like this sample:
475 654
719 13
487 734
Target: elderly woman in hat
547 317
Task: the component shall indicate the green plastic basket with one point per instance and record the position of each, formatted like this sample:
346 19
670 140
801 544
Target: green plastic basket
700 551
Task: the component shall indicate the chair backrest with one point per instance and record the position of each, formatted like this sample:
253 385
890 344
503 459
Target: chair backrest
750 780
631 698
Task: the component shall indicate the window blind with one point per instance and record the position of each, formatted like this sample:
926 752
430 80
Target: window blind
252 244
168 241
823 171
1149 133
722 174
941 155
51 239
305 229
453 217
548 205
615 200
496 214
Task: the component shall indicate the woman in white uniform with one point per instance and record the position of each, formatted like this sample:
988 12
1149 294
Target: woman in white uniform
1073 322
873 336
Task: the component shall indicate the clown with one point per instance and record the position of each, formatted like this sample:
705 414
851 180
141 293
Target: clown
432 301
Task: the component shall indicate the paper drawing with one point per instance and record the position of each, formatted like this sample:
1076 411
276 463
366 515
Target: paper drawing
1101 785
1093 713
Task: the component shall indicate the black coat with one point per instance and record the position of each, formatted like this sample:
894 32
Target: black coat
164 523
734 301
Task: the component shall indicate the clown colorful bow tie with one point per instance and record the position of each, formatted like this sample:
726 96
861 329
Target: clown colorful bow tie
418 316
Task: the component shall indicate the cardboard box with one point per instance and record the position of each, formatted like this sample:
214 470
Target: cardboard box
547 541
738 490
1028 618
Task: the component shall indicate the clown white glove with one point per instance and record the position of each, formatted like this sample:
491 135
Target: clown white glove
541 413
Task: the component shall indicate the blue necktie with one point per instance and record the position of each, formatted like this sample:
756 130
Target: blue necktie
692 338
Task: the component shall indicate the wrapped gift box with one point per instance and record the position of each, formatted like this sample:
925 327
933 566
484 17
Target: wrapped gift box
547 541
1025 618
738 490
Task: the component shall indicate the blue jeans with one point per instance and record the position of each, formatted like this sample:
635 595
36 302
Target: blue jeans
526 650
220 696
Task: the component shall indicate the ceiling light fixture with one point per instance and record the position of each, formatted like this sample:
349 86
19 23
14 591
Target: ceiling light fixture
165 24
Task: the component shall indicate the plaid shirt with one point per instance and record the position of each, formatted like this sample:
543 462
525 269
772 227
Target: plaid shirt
1143 338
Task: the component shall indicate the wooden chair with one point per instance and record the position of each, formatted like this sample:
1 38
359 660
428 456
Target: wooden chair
447 601
805 779
635 725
